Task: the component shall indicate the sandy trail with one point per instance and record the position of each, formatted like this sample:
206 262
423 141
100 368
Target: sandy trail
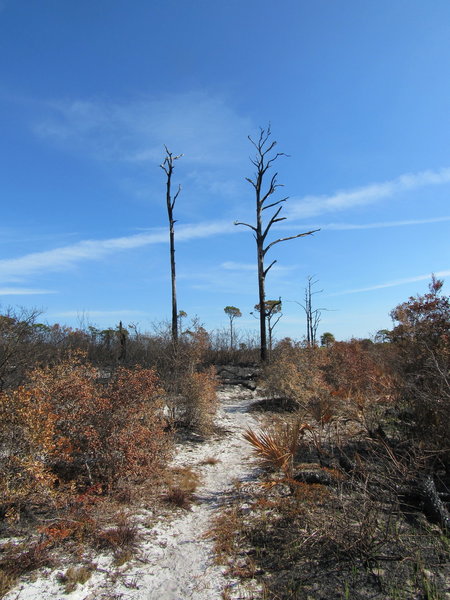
180 561
177 561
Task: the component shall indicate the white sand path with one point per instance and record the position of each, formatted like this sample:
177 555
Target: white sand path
177 560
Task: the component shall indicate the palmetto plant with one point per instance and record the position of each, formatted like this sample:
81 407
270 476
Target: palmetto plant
278 446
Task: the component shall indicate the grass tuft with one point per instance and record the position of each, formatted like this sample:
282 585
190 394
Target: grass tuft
7 581
74 576
181 485
121 540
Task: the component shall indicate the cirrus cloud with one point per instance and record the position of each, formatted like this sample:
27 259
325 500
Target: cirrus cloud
311 206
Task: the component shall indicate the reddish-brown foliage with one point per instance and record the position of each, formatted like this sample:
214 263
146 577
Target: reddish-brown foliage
69 429
422 341
353 367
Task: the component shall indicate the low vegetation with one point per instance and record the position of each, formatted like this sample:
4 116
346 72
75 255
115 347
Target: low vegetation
354 500
354 444
83 436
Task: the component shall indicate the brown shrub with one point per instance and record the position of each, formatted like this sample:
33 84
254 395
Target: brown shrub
209 460
422 341
296 375
22 558
225 529
199 400
188 355
26 445
104 433
7 581
178 497
66 428
356 368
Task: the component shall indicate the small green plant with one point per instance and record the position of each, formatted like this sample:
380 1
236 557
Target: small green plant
346 591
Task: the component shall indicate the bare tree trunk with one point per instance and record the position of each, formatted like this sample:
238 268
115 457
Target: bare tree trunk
122 344
233 313
173 279
262 302
263 161
312 316
275 308
231 334
168 166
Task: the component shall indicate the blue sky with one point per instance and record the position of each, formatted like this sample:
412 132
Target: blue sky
357 94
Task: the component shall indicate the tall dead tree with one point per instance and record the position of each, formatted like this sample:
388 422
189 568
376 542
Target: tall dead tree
313 315
264 158
168 166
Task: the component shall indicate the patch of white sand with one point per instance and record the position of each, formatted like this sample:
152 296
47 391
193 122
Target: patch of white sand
177 560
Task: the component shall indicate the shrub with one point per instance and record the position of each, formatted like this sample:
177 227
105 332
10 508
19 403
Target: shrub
123 536
199 400
174 361
138 443
104 432
6 582
354 368
422 340
296 375
194 347
25 557
26 445
361 379
65 427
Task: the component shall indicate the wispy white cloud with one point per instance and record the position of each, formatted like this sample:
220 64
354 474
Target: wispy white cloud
87 250
383 224
311 206
227 278
238 278
21 235
7 291
86 314
202 126
356 226
394 283
235 266
213 283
